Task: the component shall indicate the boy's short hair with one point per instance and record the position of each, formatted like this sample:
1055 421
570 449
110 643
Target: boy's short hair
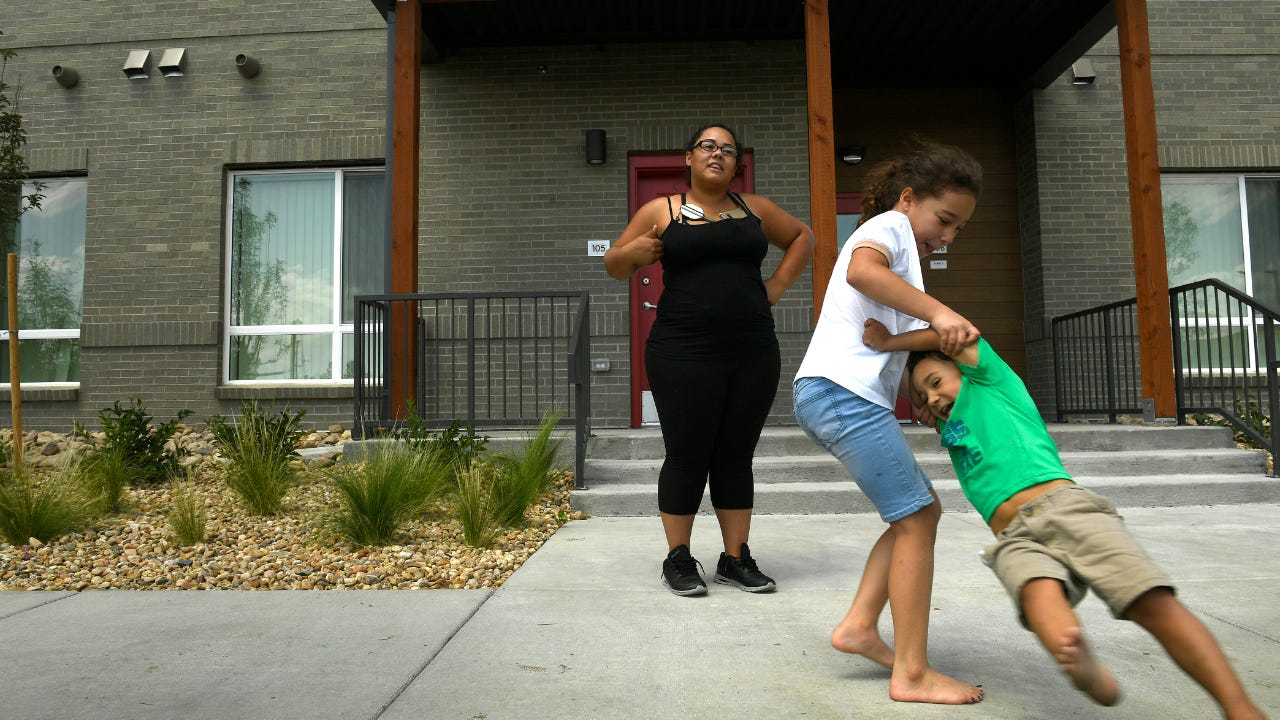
916 356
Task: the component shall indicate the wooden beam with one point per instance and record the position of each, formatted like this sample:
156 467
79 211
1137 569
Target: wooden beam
1155 339
822 148
406 116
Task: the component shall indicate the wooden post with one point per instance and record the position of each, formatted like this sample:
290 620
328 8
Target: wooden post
822 149
406 116
1151 274
15 379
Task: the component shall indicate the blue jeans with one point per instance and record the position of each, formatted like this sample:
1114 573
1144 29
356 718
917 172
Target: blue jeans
867 439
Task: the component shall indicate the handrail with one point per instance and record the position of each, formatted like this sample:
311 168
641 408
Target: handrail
1226 359
489 359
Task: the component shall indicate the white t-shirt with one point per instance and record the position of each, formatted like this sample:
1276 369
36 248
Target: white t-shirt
836 351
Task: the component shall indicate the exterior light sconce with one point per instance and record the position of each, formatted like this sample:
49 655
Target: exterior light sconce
851 154
173 61
247 66
138 65
1082 72
65 76
595 146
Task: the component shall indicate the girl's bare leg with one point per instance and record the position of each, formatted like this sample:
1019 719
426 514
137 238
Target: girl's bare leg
910 581
858 633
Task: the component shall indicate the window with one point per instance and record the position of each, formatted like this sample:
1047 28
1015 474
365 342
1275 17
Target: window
1226 228
49 244
302 245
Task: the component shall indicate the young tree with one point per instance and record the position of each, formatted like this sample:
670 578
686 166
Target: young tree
13 166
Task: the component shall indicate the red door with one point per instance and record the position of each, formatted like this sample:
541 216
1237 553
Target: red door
654 176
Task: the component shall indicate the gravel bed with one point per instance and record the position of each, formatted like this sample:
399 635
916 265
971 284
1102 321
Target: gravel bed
136 549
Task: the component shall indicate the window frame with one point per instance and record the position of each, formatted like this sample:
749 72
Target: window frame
25 334
1252 323
337 330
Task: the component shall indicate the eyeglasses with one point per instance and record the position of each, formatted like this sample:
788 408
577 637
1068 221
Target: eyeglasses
709 146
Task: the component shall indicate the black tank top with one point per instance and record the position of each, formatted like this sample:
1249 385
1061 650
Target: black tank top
714 302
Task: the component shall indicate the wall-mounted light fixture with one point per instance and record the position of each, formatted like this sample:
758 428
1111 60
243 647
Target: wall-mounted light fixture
173 61
247 66
1082 72
138 65
595 146
65 76
851 154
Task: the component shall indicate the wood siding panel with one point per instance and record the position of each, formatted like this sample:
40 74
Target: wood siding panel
983 279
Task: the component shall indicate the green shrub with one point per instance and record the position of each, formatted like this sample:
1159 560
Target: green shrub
260 449
524 475
274 435
456 443
42 510
1250 413
188 516
393 485
128 431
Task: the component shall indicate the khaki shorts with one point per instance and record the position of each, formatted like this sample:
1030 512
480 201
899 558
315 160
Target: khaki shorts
1074 535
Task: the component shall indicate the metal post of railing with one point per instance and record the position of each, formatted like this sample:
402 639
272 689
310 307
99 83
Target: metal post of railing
1113 401
471 367
1179 383
357 401
1273 388
1057 371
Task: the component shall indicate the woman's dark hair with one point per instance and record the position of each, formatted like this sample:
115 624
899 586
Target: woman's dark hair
697 135
930 170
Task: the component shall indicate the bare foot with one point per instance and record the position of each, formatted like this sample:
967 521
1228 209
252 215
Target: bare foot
1086 673
933 687
865 642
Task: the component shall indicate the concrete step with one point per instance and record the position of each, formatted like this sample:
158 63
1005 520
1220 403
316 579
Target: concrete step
937 465
646 443
1135 465
822 498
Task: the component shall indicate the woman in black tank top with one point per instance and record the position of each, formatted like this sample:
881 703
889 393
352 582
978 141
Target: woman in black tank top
712 356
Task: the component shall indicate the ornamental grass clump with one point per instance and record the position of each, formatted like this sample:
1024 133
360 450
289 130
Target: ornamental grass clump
524 476
188 517
103 476
260 450
395 484
42 509
472 505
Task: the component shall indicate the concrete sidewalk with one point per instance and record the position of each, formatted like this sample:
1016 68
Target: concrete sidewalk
586 630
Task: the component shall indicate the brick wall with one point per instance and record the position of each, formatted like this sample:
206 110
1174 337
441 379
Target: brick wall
1216 76
508 201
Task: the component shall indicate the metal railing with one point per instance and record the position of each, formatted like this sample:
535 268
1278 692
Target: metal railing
486 359
1225 358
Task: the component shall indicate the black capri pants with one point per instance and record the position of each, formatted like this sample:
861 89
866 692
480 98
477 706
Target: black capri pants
712 412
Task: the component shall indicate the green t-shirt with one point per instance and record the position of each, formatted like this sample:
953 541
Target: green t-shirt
998 442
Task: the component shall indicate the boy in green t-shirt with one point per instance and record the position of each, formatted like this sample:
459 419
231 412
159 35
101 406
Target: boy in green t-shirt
1010 470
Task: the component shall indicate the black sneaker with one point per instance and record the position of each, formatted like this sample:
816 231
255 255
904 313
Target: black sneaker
742 571
680 573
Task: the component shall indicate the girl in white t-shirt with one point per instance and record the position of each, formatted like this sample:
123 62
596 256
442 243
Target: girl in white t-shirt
845 393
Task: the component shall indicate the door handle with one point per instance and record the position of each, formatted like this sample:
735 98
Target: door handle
648 305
